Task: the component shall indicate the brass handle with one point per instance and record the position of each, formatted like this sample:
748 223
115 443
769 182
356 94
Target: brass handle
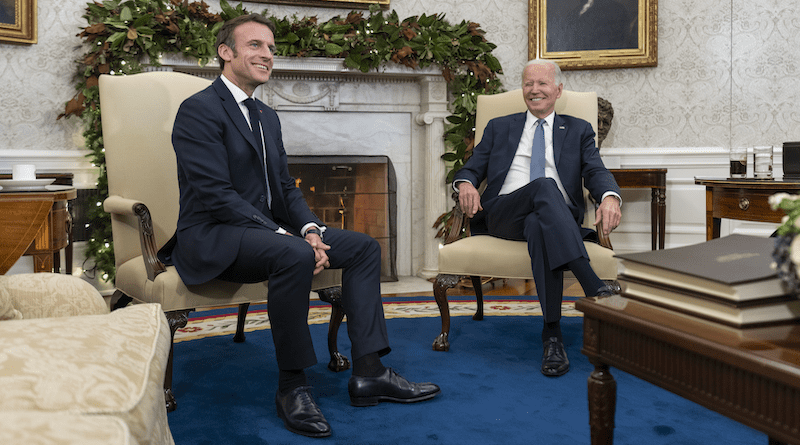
744 203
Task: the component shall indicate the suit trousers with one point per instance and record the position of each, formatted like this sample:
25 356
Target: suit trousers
538 214
288 263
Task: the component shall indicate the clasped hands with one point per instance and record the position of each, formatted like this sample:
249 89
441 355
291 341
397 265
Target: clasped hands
320 252
607 216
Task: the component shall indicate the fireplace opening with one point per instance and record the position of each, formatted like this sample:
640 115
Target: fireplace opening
356 193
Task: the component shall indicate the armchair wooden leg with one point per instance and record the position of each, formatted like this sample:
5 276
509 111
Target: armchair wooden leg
333 296
440 286
476 284
239 336
176 320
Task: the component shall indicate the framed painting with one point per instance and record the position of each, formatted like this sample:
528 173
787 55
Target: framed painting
355 4
594 34
18 21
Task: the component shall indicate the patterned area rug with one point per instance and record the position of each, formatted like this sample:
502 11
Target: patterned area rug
222 321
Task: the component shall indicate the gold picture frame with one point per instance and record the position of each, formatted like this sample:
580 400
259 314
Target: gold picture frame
594 34
355 4
18 21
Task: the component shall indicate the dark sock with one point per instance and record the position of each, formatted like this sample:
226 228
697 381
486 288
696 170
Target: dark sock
586 277
291 379
368 366
552 329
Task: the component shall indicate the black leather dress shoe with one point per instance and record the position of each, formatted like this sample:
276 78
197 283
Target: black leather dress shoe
554 358
607 290
389 387
300 413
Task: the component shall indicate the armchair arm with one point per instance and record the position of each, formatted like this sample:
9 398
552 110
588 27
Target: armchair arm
130 207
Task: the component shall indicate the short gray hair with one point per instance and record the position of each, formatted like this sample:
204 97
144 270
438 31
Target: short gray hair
559 78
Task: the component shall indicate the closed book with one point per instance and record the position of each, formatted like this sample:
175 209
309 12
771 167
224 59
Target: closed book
736 268
737 314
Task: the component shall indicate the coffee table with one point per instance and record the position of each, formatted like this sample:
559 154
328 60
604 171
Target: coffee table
750 375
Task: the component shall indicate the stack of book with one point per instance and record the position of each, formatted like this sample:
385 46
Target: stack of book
729 280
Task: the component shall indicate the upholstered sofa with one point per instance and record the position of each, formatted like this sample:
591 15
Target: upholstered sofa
71 372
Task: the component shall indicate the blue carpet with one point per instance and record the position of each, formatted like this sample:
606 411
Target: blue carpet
492 393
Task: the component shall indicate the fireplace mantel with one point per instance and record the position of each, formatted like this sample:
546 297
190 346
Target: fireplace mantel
326 108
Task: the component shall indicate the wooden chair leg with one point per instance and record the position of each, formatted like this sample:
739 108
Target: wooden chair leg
176 320
333 296
440 286
239 336
476 284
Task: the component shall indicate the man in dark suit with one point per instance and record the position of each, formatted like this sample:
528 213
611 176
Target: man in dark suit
243 220
535 164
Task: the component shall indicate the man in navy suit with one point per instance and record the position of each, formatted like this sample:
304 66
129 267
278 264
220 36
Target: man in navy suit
535 165
243 220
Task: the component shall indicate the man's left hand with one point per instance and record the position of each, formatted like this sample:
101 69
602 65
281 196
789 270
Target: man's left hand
320 254
608 215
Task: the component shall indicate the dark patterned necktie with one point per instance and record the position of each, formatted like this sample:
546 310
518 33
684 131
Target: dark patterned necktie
255 126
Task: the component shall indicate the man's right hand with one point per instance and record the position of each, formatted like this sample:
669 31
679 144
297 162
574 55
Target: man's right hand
469 199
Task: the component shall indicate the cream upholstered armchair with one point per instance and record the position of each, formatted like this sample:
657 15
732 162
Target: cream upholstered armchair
487 256
138 112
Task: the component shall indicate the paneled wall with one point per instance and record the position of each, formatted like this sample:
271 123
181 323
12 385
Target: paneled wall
727 75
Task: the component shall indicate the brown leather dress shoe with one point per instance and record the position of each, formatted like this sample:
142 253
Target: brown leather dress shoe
300 413
554 358
389 387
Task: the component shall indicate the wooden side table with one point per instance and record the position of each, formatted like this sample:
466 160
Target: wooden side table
656 180
35 223
743 199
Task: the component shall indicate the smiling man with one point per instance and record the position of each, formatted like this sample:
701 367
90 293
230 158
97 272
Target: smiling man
535 165
242 219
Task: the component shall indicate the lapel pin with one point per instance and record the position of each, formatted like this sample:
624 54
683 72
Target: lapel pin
561 127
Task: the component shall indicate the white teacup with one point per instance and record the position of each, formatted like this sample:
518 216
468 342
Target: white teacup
23 172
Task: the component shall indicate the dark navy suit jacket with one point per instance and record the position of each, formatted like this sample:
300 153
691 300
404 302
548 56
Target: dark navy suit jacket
222 184
574 150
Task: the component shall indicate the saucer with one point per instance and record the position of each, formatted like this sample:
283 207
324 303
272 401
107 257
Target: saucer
23 185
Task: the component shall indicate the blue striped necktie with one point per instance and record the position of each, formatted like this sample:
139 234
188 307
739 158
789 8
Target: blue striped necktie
537 151
255 126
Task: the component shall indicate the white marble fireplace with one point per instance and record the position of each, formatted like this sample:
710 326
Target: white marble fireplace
326 109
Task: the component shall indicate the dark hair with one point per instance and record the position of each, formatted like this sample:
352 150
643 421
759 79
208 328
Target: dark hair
225 34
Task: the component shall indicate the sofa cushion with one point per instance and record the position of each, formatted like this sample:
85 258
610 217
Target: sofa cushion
111 364
35 427
7 309
40 295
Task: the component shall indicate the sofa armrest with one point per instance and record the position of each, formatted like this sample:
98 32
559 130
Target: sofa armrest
50 295
130 207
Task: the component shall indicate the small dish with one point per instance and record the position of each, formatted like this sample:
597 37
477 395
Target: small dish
25 185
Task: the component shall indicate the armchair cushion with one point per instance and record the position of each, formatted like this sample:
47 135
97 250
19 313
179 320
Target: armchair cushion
172 294
45 295
488 256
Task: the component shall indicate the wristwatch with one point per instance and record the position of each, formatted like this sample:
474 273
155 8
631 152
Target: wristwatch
314 230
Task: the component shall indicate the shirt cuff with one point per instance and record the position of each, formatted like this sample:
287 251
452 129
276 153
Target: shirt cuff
457 181
614 194
310 225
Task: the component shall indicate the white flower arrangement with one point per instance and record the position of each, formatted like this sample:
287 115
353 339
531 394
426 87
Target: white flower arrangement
787 246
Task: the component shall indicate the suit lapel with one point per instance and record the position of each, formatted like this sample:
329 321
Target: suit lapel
559 134
235 113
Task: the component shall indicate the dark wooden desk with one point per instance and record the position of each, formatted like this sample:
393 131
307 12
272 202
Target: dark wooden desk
744 199
656 180
35 223
750 375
